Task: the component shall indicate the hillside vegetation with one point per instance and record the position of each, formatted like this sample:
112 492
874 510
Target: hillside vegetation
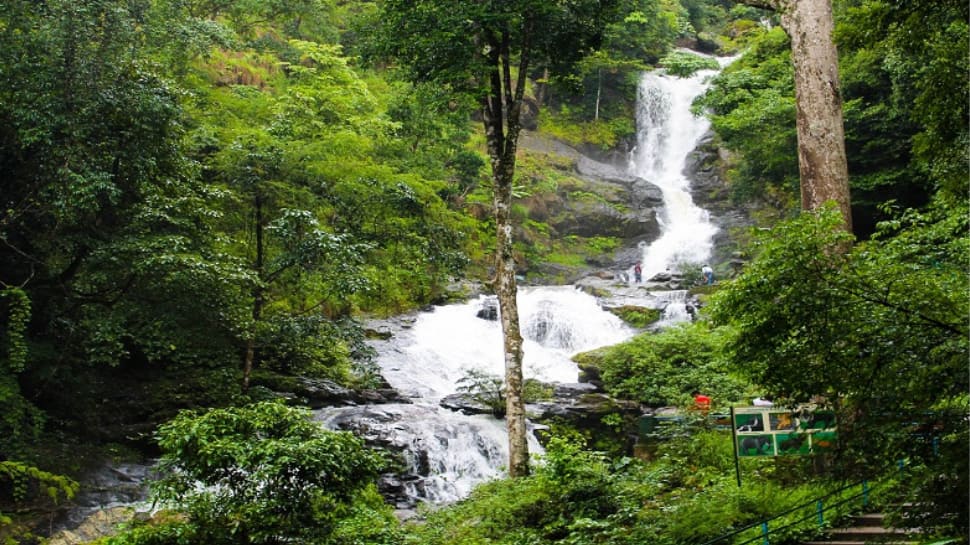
201 196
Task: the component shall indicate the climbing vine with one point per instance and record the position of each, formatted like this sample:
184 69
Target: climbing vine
18 316
21 421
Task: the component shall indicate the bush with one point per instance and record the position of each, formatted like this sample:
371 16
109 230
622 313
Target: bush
264 473
685 65
663 368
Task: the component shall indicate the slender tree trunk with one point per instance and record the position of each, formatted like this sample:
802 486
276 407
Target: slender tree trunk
501 111
599 89
540 88
818 101
257 295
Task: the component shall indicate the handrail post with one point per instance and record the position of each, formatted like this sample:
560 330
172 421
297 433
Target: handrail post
764 532
820 511
865 493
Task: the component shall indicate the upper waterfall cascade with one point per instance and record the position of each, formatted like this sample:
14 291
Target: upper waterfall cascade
667 132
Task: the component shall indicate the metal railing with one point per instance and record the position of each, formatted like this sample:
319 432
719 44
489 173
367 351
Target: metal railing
821 507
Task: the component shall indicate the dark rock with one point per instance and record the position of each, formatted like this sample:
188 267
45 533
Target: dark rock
529 114
465 403
574 390
374 334
322 392
317 393
381 395
590 373
489 310
646 194
585 407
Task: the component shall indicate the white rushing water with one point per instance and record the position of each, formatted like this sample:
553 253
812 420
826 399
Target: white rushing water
556 322
667 132
449 452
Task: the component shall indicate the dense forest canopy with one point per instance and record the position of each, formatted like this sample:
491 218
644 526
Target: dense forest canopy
201 199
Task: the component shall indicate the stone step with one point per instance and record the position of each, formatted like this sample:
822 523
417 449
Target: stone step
836 542
868 528
867 533
869 519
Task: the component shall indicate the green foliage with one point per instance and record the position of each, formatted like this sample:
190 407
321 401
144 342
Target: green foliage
19 481
21 421
880 329
663 368
637 316
679 63
263 473
924 73
23 486
434 41
489 390
687 494
604 134
485 388
902 141
752 109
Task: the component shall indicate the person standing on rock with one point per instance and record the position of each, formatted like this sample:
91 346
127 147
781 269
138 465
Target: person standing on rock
638 272
708 274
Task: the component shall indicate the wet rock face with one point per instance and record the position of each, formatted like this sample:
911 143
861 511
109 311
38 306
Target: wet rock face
465 403
316 393
489 309
710 191
101 523
95 511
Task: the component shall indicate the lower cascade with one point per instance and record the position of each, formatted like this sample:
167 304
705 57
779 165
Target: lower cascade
446 452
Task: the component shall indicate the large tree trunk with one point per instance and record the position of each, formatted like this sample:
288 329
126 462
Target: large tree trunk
500 115
818 101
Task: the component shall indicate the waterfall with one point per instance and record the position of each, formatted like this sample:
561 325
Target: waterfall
667 132
447 452
556 323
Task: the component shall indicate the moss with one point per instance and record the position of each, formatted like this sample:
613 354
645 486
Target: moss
637 316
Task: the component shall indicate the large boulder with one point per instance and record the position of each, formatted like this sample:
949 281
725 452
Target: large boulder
320 392
465 403
586 408
101 523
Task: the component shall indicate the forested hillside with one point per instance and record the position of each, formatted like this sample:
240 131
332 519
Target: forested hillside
203 199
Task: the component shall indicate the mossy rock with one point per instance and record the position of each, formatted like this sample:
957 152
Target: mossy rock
706 289
637 316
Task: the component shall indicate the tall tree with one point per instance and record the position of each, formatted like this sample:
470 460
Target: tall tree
822 164
484 51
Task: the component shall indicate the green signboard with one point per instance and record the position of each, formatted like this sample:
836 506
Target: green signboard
770 431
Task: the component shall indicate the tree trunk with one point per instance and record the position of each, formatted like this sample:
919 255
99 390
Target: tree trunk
500 115
821 137
541 87
506 289
822 165
257 295
599 89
